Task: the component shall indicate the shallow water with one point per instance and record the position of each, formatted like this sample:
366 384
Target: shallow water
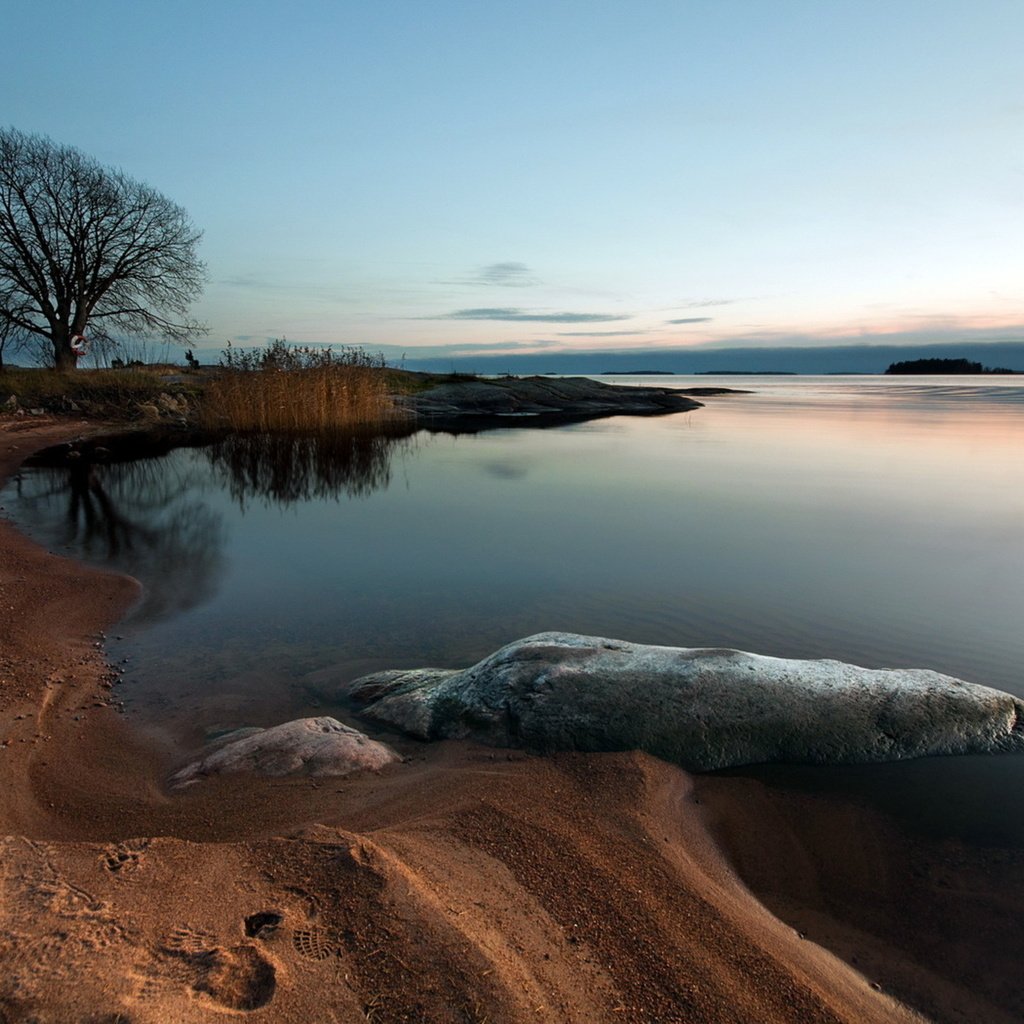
873 520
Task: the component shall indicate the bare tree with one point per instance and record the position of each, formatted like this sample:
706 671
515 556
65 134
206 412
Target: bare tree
84 248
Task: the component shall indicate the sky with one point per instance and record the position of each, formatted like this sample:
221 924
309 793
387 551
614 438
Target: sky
467 178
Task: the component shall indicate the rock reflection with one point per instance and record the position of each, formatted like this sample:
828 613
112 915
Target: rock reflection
288 468
137 517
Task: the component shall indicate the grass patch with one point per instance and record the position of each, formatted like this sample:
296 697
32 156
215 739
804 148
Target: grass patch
279 388
297 389
109 394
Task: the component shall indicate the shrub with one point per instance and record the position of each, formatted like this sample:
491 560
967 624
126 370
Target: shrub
296 388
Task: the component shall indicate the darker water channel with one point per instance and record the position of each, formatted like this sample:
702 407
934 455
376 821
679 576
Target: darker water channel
815 519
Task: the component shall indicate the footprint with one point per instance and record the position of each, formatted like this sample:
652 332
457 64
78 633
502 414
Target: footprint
235 977
189 941
124 856
313 943
263 924
104 935
39 880
238 978
149 987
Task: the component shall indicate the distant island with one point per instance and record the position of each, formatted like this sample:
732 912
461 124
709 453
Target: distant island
948 366
636 373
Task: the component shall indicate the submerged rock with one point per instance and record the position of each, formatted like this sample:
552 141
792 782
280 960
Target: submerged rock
700 708
310 746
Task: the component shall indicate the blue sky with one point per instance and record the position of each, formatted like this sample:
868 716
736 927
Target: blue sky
481 177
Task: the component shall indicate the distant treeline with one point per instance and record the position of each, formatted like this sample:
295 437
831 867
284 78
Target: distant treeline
943 366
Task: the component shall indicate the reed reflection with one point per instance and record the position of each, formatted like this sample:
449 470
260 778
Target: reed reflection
288 468
132 516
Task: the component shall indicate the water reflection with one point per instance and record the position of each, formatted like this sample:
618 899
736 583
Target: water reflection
286 468
133 505
872 527
132 516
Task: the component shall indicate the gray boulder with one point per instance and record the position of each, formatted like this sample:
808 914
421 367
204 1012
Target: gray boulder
700 708
310 746
543 397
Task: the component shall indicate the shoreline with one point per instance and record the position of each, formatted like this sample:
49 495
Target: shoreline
465 881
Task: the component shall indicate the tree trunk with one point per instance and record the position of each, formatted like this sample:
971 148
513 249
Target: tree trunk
64 358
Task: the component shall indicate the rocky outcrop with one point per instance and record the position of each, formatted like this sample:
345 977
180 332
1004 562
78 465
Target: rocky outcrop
546 399
700 708
308 746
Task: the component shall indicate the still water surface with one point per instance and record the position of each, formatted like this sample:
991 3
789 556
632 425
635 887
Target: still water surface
874 520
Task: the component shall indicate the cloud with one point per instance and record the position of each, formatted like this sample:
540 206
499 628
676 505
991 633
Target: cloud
691 320
703 303
512 315
496 346
510 274
250 281
507 274
467 349
600 334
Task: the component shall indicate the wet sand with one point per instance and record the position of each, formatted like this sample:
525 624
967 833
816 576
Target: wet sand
464 885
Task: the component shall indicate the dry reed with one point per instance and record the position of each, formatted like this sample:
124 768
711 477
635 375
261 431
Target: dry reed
286 388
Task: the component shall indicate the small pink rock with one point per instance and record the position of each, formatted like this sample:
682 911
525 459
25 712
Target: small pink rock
307 746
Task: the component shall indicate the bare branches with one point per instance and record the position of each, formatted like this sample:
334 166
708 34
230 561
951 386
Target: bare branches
81 244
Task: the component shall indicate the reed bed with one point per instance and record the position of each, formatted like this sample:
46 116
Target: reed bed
288 388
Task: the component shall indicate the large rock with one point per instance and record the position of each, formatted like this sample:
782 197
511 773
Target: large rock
310 746
546 399
700 708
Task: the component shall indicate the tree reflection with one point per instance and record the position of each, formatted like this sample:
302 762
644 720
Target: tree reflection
287 468
138 517
124 505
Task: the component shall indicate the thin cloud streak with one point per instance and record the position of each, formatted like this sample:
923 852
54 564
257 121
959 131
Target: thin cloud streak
510 274
601 334
691 320
514 315
507 274
468 348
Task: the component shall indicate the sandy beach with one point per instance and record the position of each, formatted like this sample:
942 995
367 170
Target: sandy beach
464 885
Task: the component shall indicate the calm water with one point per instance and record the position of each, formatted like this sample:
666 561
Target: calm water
874 520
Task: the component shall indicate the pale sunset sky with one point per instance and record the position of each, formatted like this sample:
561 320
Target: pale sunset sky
453 177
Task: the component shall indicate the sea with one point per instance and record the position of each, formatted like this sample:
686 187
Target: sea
871 519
